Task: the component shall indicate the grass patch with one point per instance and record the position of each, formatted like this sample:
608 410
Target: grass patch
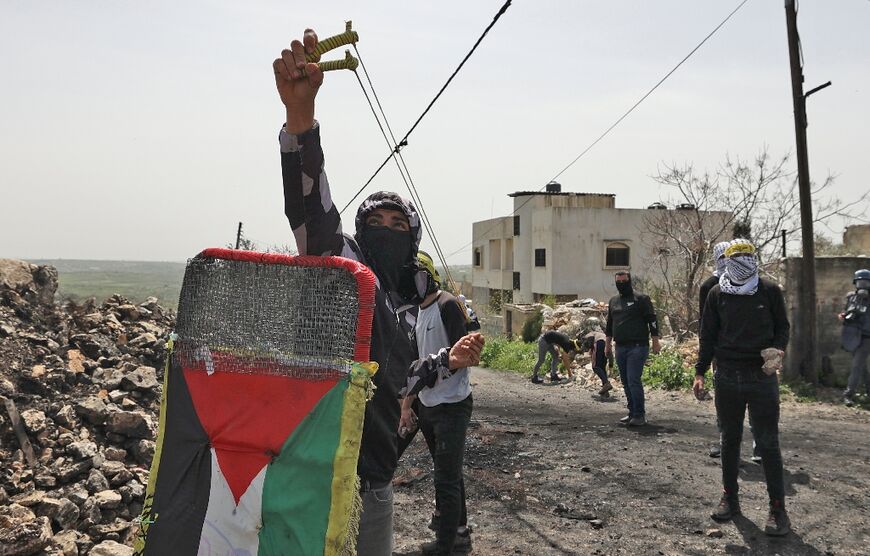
665 370
509 355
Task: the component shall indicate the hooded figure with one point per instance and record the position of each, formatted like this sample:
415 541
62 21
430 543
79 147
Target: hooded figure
391 254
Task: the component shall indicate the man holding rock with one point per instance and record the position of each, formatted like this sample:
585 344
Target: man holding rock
745 327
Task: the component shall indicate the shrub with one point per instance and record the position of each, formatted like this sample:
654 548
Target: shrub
532 327
665 370
507 355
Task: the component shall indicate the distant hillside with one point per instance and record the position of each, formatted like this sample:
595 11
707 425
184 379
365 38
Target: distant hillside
135 280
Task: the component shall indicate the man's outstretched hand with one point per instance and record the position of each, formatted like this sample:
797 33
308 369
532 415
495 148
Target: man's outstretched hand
466 352
297 91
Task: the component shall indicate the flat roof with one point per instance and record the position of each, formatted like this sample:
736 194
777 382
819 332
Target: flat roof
530 193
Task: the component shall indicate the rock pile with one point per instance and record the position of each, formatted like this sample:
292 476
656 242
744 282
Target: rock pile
570 318
79 403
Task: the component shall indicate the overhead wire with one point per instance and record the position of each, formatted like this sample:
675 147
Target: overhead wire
618 120
402 166
398 146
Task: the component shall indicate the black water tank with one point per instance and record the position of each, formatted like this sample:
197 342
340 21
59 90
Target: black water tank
657 206
685 206
554 187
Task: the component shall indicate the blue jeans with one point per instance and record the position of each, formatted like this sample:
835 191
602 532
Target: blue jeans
376 522
737 389
630 360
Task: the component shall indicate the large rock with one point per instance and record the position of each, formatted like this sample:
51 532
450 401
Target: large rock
111 548
129 423
26 538
143 378
34 420
107 499
93 409
16 275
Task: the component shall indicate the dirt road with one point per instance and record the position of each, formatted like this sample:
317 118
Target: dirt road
543 463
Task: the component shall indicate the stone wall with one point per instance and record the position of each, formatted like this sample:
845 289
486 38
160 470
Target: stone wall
857 239
833 282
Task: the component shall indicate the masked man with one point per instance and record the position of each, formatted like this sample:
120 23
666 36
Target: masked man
856 334
631 321
386 240
744 315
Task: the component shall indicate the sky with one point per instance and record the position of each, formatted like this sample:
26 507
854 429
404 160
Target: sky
148 130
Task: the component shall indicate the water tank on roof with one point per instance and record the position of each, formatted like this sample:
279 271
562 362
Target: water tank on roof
685 206
657 206
554 187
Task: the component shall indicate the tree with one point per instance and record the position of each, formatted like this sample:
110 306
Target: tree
756 200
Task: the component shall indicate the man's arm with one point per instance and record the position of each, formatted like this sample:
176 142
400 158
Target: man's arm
781 325
653 324
308 205
453 317
709 333
425 371
608 332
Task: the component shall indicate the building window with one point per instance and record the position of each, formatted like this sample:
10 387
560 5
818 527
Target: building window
516 280
478 260
617 255
517 225
540 257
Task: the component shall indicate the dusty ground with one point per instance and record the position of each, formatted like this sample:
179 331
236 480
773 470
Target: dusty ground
542 462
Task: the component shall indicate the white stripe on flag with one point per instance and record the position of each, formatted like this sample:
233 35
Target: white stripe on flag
231 529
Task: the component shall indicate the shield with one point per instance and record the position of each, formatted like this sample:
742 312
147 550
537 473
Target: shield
264 395
850 337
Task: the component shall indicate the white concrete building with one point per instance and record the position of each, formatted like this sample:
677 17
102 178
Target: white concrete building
561 244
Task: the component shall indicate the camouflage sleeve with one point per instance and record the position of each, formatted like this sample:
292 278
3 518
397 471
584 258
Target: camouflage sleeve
424 372
313 217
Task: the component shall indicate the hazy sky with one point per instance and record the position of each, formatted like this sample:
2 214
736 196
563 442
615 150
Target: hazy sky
147 130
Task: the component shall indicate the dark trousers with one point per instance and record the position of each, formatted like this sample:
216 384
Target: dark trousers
735 391
599 362
444 427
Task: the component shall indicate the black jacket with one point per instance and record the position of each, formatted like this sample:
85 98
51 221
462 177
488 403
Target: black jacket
316 225
631 319
703 290
735 328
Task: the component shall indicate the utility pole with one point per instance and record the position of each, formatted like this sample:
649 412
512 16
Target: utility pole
239 235
806 326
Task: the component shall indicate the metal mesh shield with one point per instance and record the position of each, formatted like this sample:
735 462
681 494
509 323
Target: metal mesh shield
252 312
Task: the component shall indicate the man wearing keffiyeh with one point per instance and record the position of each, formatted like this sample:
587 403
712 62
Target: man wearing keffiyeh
743 317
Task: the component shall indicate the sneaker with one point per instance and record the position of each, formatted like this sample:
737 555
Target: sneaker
537 380
728 507
637 422
625 419
555 378
848 401
715 451
778 524
462 545
605 388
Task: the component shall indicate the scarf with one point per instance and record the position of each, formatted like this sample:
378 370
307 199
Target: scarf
719 257
740 276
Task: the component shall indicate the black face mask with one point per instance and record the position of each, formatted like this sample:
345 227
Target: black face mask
624 288
388 252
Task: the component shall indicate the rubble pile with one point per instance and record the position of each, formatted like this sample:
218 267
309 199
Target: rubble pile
570 318
79 403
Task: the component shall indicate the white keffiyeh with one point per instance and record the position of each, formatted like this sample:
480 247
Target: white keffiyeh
740 276
719 257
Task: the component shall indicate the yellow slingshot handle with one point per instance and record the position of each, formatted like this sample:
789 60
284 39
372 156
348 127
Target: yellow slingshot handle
349 63
348 37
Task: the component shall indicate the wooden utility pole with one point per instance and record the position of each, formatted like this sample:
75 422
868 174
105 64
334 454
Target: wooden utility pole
805 337
239 235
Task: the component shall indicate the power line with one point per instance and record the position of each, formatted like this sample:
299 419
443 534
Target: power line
402 167
404 140
622 117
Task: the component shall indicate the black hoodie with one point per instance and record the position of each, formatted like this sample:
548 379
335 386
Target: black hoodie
316 224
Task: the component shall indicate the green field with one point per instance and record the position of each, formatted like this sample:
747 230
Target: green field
135 280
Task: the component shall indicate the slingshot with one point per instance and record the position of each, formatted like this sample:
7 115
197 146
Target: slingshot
331 43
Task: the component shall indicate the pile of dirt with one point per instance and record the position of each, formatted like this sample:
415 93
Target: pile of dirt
80 389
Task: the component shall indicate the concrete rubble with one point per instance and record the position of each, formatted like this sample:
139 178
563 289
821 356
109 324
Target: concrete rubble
86 381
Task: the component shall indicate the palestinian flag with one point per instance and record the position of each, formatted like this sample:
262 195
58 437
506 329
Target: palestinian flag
262 411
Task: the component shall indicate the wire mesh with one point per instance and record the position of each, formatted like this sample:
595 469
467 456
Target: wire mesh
249 317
